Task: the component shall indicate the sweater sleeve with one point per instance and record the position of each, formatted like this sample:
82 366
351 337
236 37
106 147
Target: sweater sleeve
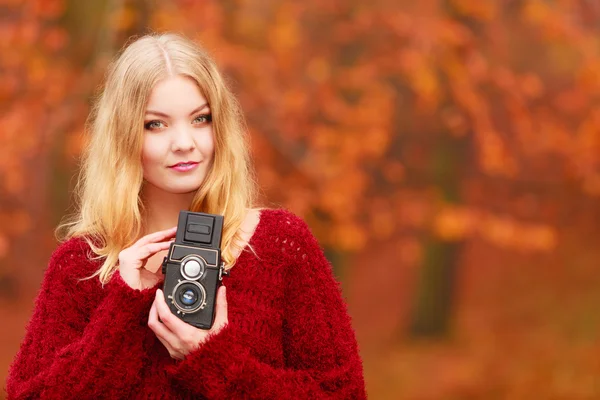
67 354
320 349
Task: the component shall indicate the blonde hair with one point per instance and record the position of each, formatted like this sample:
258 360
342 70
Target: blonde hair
109 209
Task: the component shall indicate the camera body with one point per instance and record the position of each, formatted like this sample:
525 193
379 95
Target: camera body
193 268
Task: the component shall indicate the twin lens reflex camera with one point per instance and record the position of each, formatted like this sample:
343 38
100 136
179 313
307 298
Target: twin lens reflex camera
193 268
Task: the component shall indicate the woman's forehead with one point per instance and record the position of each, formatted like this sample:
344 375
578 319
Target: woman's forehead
176 95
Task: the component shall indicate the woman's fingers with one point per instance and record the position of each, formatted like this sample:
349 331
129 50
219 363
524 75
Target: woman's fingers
161 331
152 248
174 324
178 337
156 236
221 317
134 258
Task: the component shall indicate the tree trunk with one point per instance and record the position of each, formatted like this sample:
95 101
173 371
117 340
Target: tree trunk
432 310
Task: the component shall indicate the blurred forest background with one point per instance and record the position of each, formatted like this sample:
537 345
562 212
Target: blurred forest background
445 152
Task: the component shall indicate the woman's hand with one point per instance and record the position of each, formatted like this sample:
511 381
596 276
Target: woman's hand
133 259
181 338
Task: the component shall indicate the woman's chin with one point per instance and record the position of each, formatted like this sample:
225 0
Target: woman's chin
173 186
184 189
179 189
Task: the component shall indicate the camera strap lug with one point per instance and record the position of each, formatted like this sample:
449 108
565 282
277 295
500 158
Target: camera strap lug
222 271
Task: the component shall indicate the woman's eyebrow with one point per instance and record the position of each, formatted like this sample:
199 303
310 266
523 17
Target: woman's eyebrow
160 114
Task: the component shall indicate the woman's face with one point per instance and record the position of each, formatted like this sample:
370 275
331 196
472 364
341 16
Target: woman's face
178 144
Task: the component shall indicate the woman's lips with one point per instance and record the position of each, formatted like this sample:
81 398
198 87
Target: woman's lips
184 167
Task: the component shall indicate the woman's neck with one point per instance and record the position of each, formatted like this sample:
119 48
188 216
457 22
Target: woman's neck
162 208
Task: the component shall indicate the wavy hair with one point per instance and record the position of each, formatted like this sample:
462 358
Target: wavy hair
108 207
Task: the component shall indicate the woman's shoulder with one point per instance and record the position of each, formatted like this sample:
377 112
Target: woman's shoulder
73 254
284 230
288 238
283 222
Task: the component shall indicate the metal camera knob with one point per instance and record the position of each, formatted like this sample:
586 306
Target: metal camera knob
193 267
222 271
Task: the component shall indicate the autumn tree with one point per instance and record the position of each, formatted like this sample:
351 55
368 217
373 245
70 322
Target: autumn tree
54 53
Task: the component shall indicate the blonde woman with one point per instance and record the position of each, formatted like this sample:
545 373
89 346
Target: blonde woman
167 135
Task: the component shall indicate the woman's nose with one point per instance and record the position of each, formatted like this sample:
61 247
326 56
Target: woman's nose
183 139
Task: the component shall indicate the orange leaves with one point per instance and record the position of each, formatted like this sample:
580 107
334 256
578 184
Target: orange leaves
459 223
414 210
75 142
454 224
480 10
295 100
588 77
38 82
342 195
375 143
494 156
48 9
318 69
526 237
394 172
4 246
8 87
13 182
286 33
123 18
553 21
591 185
15 222
37 70
28 33
586 147
425 85
160 20
455 122
421 77
452 34
536 11
383 222
56 38
323 138
531 86
348 236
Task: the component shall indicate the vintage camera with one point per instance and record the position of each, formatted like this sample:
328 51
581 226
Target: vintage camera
193 268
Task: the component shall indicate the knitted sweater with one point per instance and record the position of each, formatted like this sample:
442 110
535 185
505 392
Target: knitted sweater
289 335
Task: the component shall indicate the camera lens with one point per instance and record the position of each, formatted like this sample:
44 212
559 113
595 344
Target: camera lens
188 296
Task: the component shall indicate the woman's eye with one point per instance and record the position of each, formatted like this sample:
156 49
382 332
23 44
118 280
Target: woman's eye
152 125
203 119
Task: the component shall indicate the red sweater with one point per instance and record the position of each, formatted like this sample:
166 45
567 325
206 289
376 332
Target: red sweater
289 334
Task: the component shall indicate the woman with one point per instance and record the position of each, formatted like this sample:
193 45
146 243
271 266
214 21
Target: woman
167 135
